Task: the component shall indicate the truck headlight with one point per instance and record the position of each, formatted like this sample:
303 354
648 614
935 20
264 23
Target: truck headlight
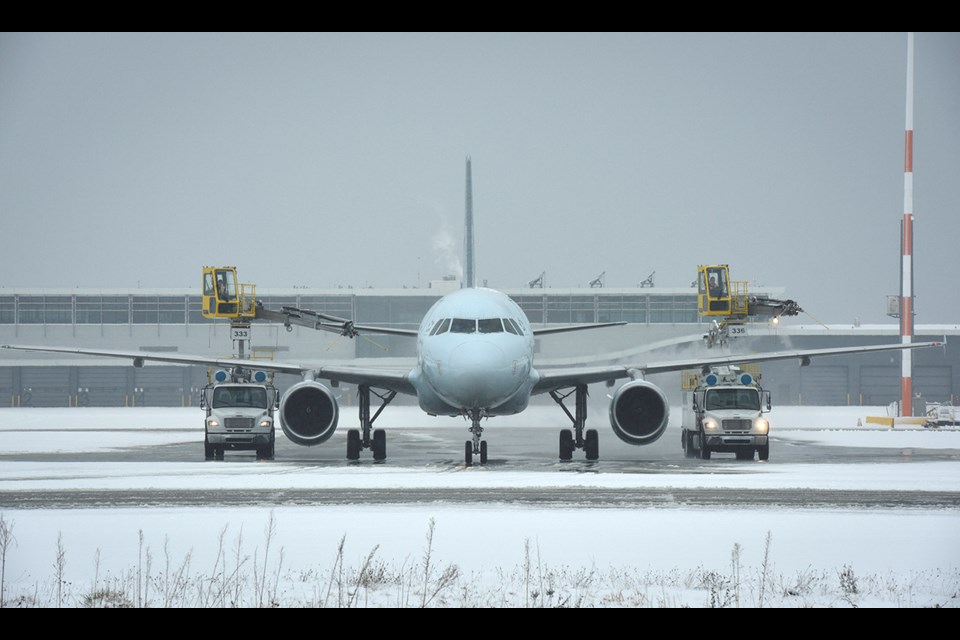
761 425
265 423
212 422
709 424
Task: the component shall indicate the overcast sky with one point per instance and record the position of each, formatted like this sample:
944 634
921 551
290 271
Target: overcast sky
324 160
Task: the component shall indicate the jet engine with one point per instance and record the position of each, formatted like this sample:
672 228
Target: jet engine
309 413
639 412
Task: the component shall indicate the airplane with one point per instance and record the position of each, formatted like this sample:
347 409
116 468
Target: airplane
475 358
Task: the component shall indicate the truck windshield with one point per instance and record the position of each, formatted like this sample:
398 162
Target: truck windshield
747 399
252 397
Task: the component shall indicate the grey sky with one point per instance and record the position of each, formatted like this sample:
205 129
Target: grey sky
338 159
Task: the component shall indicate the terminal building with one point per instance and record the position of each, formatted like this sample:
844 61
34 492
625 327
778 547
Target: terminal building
662 324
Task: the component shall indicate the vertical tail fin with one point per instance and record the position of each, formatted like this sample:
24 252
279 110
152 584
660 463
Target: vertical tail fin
470 268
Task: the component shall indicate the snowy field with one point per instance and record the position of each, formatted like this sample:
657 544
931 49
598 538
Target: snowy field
489 554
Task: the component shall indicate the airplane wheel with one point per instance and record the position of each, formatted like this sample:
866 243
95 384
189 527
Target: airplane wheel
763 453
591 444
566 444
379 444
468 453
353 444
483 452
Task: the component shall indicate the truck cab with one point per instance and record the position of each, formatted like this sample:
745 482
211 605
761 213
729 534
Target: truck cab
725 413
239 416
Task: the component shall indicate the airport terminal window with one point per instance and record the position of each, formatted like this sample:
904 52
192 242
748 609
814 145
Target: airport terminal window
7 306
30 310
490 325
172 309
463 325
194 313
58 310
532 306
116 309
340 306
145 310
89 310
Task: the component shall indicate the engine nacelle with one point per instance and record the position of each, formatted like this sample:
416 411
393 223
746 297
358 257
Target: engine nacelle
309 413
639 412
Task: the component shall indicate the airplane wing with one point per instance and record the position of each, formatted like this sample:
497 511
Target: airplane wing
552 379
543 331
392 379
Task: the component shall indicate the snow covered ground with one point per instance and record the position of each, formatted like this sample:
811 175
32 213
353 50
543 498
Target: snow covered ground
486 554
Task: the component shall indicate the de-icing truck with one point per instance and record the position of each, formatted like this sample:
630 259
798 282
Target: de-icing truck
724 412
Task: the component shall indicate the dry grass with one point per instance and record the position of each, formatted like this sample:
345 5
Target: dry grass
262 578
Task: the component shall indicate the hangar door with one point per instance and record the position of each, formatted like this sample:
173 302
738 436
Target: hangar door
879 386
7 395
160 387
45 387
824 385
933 383
101 386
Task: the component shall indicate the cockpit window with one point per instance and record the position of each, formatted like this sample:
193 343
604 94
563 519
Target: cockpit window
508 325
490 325
516 325
436 327
463 325
443 328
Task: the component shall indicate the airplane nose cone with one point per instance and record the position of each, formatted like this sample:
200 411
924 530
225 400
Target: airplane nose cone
481 376
477 356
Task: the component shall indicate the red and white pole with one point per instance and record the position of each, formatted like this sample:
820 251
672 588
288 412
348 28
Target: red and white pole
906 248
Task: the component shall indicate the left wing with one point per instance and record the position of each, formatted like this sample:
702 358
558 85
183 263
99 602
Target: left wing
551 379
386 378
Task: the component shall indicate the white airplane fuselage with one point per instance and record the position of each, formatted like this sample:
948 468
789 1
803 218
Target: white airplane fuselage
474 354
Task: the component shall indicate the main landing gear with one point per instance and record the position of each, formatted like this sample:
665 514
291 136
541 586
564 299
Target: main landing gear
578 438
359 439
475 446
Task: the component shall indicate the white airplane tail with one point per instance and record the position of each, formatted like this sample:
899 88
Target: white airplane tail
470 268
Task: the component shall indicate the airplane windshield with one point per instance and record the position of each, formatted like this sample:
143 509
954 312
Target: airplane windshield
747 399
463 325
247 397
490 325
509 326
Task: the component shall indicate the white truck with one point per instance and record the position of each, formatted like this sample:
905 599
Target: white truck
725 413
239 417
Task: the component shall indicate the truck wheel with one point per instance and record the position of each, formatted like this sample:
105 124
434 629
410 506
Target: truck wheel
207 449
566 444
704 449
218 453
687 440
591 444
763 453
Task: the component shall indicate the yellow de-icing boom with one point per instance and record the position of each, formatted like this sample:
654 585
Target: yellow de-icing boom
729 302
223 297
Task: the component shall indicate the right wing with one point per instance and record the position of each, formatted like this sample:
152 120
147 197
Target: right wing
385 378
553 379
